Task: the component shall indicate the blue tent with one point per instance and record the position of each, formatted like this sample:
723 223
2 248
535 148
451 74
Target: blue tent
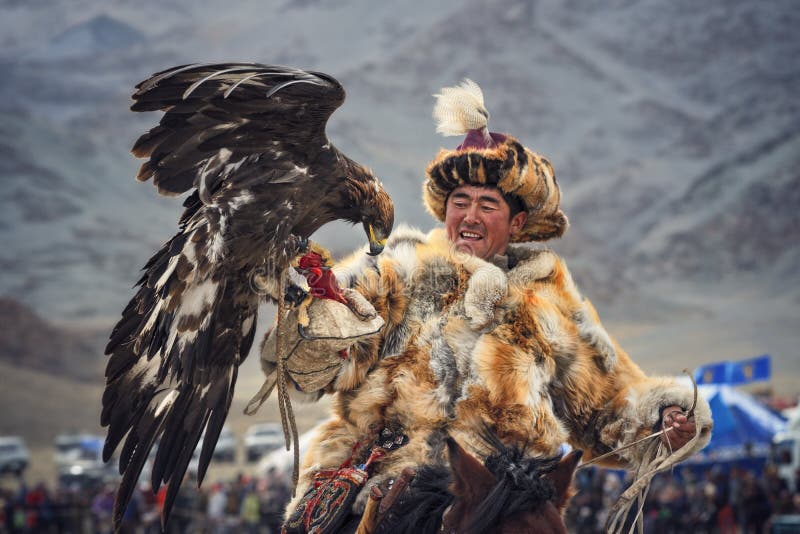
743 427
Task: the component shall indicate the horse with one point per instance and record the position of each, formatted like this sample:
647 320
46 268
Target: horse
509 494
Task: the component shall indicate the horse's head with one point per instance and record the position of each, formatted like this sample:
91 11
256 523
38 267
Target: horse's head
513 494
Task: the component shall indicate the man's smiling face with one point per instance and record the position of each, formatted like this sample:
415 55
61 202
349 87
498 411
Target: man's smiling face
478 221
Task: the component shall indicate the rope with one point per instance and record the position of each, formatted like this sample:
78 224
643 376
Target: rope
656 458
620 449
288 421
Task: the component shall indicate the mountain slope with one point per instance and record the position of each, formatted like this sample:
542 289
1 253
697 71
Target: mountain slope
672 126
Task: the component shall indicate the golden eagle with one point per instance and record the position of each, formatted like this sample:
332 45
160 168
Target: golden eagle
250 140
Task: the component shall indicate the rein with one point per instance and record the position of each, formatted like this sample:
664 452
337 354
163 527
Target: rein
288 421
655 459
445 527
688 414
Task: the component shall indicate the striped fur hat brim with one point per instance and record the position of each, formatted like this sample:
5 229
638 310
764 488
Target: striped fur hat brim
511 168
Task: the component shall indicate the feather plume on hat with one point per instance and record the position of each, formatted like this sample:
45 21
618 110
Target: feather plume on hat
460 109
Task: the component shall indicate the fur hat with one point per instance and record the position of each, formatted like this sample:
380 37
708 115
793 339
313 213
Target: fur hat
493 160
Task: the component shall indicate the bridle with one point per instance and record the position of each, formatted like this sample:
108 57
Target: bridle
446 527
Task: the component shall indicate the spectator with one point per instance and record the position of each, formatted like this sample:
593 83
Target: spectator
187 502
684 502
132 518
216 509
150 514
756 505
274 497
233 505
102 508
251 513
6 509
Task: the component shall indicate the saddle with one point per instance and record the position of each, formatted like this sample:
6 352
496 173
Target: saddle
326 506
378 516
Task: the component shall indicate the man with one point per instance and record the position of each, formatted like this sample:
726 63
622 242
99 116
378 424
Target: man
482 333
480 222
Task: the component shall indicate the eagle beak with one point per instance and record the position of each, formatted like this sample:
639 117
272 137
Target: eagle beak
375 245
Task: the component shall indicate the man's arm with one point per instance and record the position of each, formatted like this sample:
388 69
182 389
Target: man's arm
602 396
347 344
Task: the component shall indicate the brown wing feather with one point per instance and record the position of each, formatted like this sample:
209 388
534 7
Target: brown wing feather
202 116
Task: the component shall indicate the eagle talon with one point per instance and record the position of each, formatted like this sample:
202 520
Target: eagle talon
302 331
295 294
299 243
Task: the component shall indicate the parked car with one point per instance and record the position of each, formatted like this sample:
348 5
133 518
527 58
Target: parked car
262 438
80 461
72 447
280 460
14 455
225 450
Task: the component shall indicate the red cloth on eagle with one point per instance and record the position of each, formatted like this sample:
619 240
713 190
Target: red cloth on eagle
321 280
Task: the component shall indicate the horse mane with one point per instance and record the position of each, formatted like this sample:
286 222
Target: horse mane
521 484
420 510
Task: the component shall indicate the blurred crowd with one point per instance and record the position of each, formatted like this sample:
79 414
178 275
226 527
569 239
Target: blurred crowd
729 500
716 500
246 505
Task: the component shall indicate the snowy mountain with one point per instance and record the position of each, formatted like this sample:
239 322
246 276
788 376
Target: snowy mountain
673 127
95 36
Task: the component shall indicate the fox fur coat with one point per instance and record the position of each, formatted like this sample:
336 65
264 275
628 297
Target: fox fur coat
469 345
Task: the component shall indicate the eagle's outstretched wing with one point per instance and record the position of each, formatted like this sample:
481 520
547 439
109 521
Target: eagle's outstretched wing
250 140
223 115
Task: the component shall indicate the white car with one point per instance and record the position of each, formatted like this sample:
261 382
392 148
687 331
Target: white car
77 447
14 455
262 438
224 451
82 455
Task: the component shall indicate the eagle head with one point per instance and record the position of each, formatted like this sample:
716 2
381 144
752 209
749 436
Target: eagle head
368 203
378 218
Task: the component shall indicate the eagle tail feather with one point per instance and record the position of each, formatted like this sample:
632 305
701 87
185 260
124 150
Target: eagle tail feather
172 443
215 424
134 463
180 466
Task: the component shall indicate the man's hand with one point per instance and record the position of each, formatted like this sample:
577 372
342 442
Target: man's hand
682 428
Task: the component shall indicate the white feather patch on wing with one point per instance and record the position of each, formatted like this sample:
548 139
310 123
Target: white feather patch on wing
216 249
151 322
197 299
144 370
290 175
247 325
166 402
173 262
460 109
187 338
244 198
173 335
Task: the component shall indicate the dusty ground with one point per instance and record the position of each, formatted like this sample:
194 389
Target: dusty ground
39 407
